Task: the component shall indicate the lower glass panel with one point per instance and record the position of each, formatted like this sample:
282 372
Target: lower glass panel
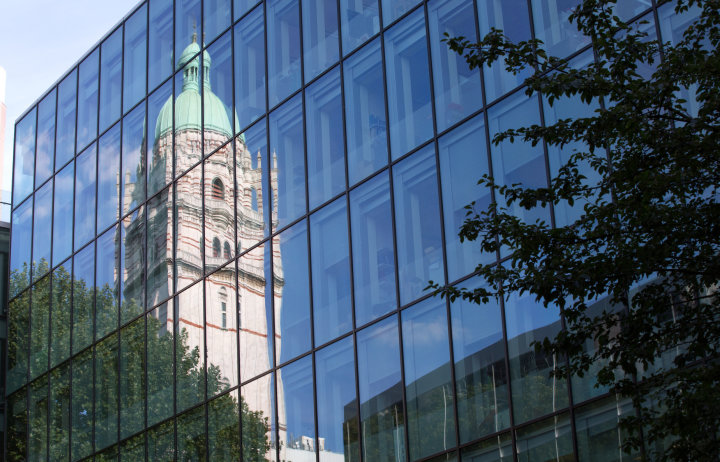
599 437
550 439
495 449
223 428
257 407
161 442
191 440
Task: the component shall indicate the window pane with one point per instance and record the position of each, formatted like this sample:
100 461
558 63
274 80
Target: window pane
22 224
373 255
108 174
187 23
60 411
216 18
85 184
83 296
217 94
534 392
66 109
296 413
223 428
159 248
132 265
82 405
243 6
320 36
253 192
463 161
18 341
62 214
294 327
428 385
38 442
189 347
87 100
249 67
191 441
408 84
599 437
60 317
219 208
513 18
221 331
160 40
133 174
258 419
106 392
330 258
365 112
160 139
135 67
188 235
283 17
42 230
417 221
393 9
546 440
287 144
17 426
326 152
111 79
24 157
134 449
132 378
381 404
45 138
360 20
496 449
106 303
337 403
560 37
40 325
161 442
457 88
480 372
160 364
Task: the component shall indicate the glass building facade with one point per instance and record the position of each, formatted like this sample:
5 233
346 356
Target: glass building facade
224 222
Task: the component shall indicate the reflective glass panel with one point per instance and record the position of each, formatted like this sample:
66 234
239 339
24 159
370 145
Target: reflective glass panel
160 138
496 449
135 54
87 115
293 316
365 112
62 214
106 392
188 235
253 192
160 363
337 406
559 35
108 174
599 436
325 132
243 6
45 138
408 80
534 392
161 442
134 449
219 208
480 372
107 281
549 439
66 113
133 159
42 230
393 9
38 416
283 34
24 157
296 411
60 317
332 303
85 184
249 67
132 265
381 395
417 221
373 254
513 18
83 297
257 405
132 378
320 36
17 426
159 248
40 325
82 405
630 8
59 413
223 428
221 331
428 385
187 24
111 79
216 18
463 161
218 119
360 20
191 441
160 42
18 341
189 347
288 176
457 88
22 224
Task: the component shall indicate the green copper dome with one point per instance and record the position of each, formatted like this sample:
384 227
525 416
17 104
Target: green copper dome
189 102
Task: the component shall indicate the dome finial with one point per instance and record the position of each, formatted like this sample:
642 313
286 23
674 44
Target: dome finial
194 35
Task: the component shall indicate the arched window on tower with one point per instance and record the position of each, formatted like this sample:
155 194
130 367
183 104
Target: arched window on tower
223 307
216 247
226 250
253 199
218 189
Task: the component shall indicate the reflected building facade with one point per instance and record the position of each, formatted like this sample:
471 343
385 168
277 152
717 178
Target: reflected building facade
224 221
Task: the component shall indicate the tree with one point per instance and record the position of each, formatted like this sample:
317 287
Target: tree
635 274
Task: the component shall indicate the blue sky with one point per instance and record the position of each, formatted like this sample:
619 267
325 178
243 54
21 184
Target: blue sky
39 41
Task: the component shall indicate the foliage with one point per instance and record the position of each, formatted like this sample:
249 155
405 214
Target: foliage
635 275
